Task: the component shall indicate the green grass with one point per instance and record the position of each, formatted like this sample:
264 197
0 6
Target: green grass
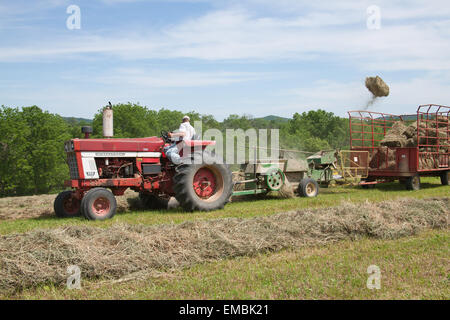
411 268
431 187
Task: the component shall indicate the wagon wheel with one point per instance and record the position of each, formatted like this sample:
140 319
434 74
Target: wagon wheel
413 182
445 178
275 179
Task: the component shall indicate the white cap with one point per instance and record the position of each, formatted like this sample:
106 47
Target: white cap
186 117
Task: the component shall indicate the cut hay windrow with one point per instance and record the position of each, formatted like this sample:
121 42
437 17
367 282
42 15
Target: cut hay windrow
42 256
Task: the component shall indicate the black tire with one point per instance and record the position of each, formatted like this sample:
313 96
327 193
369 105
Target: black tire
99 204
308 188
220 192
413 182
66 206
153 202
445 178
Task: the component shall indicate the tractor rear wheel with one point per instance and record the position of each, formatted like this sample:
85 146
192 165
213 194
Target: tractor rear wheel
445 178
99 204
153 202
66 205
308 188
203 186
413 182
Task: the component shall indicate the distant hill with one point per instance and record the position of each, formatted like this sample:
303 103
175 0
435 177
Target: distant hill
77 120
409 117
275 118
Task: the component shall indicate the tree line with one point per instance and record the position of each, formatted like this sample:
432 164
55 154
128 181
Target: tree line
33 160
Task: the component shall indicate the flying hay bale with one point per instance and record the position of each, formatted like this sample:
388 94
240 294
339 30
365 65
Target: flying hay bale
377 86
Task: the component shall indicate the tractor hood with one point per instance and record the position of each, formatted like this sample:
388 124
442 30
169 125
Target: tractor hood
152 144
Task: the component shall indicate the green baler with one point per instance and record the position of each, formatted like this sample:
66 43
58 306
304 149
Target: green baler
322 166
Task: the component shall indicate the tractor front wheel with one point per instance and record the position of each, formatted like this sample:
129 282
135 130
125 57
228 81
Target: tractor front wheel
66 205
99 204
206 186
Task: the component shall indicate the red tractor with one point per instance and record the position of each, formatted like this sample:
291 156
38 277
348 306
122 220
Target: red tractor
101 169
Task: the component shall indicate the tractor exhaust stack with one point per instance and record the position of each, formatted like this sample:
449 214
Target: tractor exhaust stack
108 128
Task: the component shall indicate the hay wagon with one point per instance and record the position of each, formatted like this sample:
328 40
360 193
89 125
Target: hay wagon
405 148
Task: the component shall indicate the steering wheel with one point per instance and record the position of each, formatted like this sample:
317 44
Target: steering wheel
165 136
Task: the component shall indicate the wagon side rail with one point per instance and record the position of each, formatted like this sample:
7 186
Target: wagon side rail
431 153
433 135
368 128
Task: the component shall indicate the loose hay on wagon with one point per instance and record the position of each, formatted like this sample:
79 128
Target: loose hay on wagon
401 147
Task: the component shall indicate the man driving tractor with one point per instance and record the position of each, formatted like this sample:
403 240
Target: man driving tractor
185 132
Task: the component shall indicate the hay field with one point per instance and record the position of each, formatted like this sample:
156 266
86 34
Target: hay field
42 256
141 246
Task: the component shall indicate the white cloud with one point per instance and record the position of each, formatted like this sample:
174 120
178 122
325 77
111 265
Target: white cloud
415 38
236 34
177 79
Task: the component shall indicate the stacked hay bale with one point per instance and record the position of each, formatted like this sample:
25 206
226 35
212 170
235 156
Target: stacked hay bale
395 137
400 135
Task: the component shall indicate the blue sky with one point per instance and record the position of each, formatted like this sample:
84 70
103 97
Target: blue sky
256 57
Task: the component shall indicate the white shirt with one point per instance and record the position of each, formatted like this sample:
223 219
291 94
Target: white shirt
188 130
